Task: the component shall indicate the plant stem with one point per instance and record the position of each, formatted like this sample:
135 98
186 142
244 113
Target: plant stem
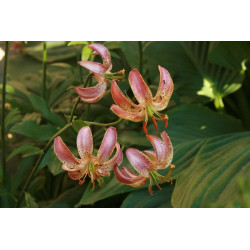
140 57
44 68
32 173
104 124
3 113
78 99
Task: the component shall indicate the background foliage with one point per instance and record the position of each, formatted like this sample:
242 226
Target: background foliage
209 123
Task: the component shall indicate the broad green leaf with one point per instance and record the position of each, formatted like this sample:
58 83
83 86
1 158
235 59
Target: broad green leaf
33 130
25 150
77 43
12 118
213 174
230 54
40 105
142 198
189 127
130 138
30 201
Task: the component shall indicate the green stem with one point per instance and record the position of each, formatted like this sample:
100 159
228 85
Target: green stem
44 69
104 124
3 113
78 99
32 173
140 57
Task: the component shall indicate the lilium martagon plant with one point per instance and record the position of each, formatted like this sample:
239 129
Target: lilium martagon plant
102 73
95 166
147 163
148 105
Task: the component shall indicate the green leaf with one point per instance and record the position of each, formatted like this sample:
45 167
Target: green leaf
77 43
12 118
213 175
30 201
142 198
130 138
25 150
40 105
86 53
78 124
33 130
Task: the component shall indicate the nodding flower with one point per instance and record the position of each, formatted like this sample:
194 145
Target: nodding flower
101 72
148 105
95 166
147 163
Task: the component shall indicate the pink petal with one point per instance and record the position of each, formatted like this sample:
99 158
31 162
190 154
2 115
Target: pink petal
93 67
165 90
122 101
139 161
159 147
85 142
139 87
76 175
115 160
64 154
169 148
135 181
92 94
134 117
107 145
151 155
103 52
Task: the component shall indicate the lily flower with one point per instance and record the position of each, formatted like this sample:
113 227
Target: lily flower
102 74
148 105
89 164
147 163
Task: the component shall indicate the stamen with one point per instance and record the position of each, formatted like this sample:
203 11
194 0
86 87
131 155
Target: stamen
150 190
93 188
100 181
145 128
165 117
155 124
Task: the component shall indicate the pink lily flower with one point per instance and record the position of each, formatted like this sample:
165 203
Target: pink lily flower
148 105
147 163
89 164
102 74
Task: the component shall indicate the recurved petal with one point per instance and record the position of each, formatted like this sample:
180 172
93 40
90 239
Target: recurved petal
103 52
164 91
76 175
107 145
169 148
159 147
64 154
131 116
84 142
122 101
123 177
115 160
140 89
139 161
92 94
93 67
151 155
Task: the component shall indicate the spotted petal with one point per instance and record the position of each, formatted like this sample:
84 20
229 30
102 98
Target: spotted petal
139 87
64 154
139 161
169 148
85 142
103 52
92 94
159 147
131 116
93 67
127 177
115 160
122 101
165 90
107 145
